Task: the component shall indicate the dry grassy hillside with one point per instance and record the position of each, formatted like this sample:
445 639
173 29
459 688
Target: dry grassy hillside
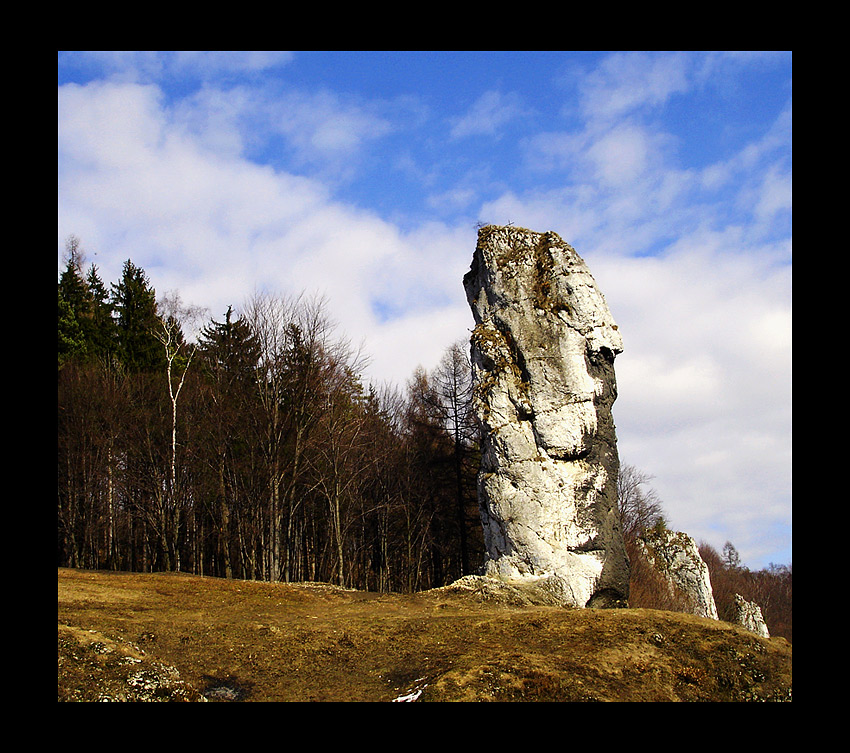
172 637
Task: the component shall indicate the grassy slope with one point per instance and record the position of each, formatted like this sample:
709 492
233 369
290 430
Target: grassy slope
177 637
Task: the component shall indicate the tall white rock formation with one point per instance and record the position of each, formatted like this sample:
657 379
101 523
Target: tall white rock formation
543 353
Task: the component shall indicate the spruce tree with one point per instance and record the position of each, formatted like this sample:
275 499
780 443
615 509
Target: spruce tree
230 351
75 307
134 301
72 342
229 356
104 333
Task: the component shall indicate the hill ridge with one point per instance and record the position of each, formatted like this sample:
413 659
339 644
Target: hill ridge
177 637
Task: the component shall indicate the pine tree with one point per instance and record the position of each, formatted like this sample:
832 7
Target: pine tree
75 307
104 332
229 349
228 356
134 301
72 341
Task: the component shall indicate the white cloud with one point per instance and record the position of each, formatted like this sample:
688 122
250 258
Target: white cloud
216 119
488 114
774 194
625 82
320 124
108 126
622 155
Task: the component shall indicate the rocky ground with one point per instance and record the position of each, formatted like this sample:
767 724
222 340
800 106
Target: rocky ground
173 637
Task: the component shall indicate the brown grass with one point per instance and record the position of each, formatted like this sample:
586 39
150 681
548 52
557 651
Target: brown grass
183 638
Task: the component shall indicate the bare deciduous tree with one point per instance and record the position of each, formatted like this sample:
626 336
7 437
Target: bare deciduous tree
639 505
451 396
173 318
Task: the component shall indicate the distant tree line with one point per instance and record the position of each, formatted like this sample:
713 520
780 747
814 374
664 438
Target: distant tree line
769 587
253 450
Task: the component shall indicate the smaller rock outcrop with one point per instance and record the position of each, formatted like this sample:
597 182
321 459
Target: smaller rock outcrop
748 615
676 557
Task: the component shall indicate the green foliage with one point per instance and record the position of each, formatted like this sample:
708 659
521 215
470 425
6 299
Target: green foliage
72 340
75 308
229 348
134 302
96 324
104 333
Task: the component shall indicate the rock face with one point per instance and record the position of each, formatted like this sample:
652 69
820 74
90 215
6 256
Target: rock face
676 556
543 353
748 615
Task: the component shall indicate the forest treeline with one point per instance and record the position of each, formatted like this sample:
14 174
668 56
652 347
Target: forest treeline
251 447
254 451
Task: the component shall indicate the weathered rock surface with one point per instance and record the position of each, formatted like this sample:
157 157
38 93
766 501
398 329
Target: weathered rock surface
676 556
543 353
748 615
518 592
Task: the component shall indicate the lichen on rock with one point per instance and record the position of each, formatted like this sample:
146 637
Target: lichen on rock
543 351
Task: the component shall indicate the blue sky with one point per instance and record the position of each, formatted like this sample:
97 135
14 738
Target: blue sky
362 176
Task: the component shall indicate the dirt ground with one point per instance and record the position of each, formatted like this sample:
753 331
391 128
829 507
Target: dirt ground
173 637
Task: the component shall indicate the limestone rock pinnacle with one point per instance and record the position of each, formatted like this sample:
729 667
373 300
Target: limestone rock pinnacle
543 351
675 555
748 615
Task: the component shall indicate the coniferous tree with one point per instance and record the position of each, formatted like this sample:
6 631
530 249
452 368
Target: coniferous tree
72 340
75 307
230 352
229 357
134 302
104 334
146 460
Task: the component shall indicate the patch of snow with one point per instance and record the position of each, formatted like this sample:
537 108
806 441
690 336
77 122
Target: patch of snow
413 694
